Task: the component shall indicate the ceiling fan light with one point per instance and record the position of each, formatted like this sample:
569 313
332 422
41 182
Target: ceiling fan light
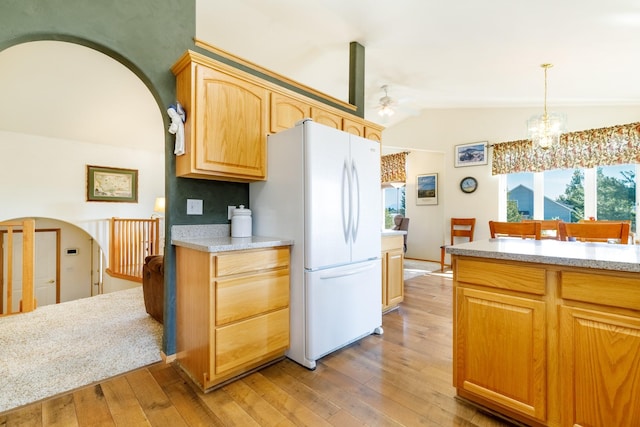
386 111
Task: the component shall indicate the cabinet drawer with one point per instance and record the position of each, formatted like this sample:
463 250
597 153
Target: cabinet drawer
245 296
245 342
519 278
601 289
392 242
247 261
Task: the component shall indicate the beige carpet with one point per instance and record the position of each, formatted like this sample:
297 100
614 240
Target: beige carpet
60 347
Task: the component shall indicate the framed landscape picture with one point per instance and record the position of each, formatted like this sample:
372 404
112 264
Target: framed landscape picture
105 184
473 154
427 189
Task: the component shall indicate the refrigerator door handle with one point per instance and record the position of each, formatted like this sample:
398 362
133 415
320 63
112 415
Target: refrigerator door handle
346 210
355 192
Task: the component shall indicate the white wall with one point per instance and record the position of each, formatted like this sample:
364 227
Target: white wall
431 138
46 177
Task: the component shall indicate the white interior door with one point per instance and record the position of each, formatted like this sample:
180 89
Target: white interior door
44 281
16 286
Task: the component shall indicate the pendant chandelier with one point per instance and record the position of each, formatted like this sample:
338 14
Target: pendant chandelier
545 129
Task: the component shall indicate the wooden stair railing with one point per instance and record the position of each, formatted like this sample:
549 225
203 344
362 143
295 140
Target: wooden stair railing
131 241
27 228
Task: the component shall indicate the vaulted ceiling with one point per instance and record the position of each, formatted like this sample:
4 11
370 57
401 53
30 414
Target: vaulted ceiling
441 54
431 54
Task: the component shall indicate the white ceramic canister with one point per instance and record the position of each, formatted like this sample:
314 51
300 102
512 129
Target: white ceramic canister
241 222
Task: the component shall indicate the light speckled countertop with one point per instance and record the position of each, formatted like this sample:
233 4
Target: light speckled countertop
389 232
216 238
574 254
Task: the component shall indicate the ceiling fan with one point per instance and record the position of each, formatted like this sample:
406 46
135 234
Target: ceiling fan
386 106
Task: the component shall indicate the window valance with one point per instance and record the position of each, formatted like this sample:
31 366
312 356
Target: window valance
393 167
584 149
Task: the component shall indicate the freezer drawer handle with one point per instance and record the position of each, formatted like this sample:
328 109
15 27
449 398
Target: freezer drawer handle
345 273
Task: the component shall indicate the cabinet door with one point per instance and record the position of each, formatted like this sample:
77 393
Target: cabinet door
240 297
395 277
231 125
243 344
600 368
286 112
353 127
500 350
384 280
326 118
373 134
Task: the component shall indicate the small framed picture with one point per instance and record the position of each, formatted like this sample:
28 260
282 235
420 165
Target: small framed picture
473 154
105 184
427 189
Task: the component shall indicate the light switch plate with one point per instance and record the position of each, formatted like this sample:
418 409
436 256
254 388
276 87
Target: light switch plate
230 211
194 207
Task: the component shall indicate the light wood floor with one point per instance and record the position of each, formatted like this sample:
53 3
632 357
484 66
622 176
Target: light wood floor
402 378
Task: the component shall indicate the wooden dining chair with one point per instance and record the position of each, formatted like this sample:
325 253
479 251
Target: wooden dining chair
460 227
523 230
595 231
548 228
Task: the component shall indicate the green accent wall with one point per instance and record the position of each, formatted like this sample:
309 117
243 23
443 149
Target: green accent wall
356 77
148 37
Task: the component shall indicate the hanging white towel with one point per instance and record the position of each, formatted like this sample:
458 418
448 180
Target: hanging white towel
178 117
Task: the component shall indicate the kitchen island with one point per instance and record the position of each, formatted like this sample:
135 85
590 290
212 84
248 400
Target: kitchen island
232 302
548 332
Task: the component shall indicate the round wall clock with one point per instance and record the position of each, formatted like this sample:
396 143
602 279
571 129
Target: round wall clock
468 184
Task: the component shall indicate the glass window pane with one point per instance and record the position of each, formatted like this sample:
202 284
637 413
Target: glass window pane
394 204
616 193
519 196
564 194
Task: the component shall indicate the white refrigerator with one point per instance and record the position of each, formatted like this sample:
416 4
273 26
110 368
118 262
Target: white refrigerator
323 192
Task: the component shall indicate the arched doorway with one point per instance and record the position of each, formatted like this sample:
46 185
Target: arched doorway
66 106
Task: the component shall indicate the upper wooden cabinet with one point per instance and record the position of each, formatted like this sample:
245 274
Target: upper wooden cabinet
326 118
353 127
230 112
286 111
226 128
374 134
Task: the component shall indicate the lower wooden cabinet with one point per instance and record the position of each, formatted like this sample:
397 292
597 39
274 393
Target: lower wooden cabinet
232 311
600 367
546 344
600 358
392 271
501 349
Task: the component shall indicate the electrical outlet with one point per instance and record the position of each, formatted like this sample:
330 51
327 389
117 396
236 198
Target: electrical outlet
194 207
230 211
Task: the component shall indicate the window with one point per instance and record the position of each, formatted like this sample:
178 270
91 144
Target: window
394 204
616 193
604 193
519 196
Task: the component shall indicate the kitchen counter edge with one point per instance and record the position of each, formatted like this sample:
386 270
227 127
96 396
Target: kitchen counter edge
227 243
574 254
